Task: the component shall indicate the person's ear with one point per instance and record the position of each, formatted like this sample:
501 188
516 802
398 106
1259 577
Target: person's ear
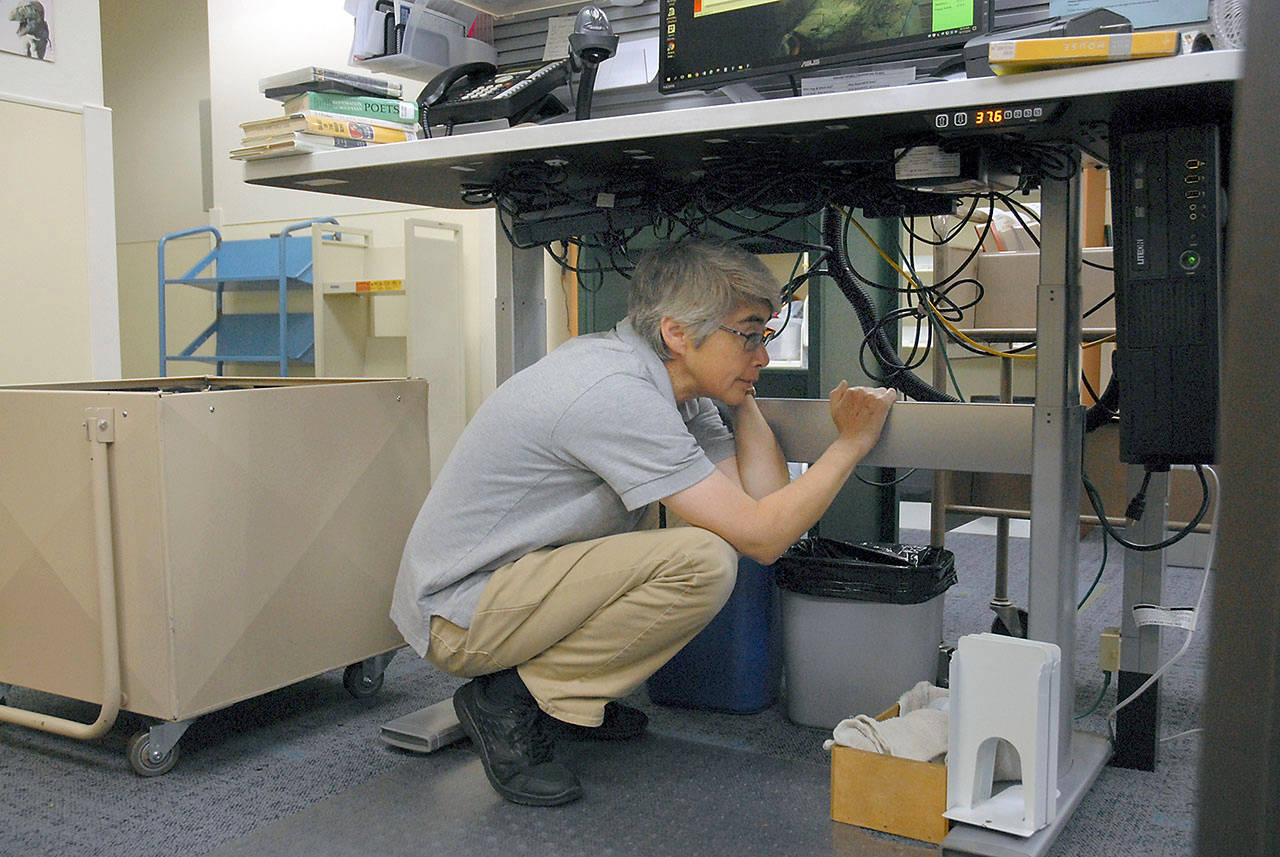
674 335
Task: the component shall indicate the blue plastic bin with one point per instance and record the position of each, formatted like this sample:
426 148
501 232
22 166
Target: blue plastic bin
735 663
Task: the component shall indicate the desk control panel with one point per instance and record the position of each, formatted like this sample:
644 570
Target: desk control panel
993 117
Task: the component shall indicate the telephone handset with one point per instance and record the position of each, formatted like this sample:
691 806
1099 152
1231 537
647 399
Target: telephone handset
474 92
438 89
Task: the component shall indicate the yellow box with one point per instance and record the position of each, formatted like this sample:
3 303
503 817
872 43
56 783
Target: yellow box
900 796
1029 54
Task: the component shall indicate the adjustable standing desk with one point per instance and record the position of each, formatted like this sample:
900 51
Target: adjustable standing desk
1074 106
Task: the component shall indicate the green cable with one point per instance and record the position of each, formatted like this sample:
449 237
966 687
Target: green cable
1097 577
1105 684
940 342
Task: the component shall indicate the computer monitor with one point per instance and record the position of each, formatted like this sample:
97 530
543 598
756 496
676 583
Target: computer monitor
708 43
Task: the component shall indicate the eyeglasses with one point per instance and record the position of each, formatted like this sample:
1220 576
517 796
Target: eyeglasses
752 341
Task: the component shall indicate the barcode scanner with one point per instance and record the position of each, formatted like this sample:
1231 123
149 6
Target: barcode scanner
591 43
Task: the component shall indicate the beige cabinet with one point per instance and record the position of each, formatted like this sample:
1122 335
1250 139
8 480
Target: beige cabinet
255 531
358 305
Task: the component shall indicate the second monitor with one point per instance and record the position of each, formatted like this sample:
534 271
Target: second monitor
705 44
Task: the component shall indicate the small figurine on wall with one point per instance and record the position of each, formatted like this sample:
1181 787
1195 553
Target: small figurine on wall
32 34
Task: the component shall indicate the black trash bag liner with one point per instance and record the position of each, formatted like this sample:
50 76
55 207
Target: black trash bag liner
885 572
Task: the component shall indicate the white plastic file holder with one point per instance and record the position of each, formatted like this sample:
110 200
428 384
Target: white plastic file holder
1003 688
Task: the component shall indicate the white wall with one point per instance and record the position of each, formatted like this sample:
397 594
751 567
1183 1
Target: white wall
249 40
155 80
57 228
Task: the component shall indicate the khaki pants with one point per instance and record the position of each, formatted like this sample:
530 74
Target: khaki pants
590 621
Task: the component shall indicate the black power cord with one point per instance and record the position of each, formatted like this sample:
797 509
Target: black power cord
896 372
1095 500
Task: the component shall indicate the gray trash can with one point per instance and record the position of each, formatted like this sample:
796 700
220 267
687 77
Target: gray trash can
861 623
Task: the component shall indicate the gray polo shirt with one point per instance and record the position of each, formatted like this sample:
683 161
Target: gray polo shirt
570 449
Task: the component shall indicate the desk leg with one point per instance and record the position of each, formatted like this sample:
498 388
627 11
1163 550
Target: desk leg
520 311
941 495
1138 722
1057 435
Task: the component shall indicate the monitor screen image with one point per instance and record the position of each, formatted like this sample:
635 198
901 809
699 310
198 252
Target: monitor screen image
707 43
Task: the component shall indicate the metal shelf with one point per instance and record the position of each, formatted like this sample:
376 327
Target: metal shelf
282 264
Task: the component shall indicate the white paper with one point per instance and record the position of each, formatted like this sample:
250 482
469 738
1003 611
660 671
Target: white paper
925 162
558 31
635 64
1172 617
872 79
368 39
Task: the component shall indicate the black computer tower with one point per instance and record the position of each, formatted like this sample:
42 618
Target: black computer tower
1167 209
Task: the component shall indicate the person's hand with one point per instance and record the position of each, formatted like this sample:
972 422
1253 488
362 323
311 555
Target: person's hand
860 412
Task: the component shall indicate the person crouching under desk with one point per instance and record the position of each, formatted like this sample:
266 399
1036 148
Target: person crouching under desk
525 570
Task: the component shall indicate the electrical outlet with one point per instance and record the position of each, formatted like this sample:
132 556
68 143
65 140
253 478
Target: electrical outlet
1109 650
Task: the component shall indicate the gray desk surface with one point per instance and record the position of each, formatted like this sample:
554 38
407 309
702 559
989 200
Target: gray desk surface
669 145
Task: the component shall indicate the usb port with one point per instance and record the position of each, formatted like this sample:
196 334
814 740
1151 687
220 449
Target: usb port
1193 194
1194 163
1193 179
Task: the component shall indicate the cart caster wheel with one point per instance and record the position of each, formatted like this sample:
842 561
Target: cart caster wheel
357 684
147 763
998 626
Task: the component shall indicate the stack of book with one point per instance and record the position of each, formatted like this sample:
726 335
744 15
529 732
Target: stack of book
326 110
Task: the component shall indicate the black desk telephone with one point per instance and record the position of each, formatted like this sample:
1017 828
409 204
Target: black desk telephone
474 92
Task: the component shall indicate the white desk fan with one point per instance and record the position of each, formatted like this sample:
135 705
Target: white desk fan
1228 20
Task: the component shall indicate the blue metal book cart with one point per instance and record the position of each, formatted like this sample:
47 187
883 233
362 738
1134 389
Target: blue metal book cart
281 263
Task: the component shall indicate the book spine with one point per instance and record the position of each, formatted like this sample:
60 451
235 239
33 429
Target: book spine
315 78
319 142
369 84
1082 49
302 144
331 142
305 121
342 126
388 109
364 286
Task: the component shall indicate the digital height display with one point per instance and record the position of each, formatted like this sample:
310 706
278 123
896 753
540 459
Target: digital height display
707 43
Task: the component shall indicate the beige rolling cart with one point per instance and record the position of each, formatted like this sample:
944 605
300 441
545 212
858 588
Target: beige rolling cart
172 546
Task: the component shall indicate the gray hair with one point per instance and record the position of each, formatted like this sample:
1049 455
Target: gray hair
697 283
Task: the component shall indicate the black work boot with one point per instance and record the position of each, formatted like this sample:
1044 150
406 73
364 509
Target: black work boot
621 723
507 729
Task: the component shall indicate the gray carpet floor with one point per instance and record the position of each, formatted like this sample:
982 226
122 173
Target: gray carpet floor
302 770
642 797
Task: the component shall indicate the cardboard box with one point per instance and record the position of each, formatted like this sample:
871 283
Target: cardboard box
1010 280
900 796
1106 471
